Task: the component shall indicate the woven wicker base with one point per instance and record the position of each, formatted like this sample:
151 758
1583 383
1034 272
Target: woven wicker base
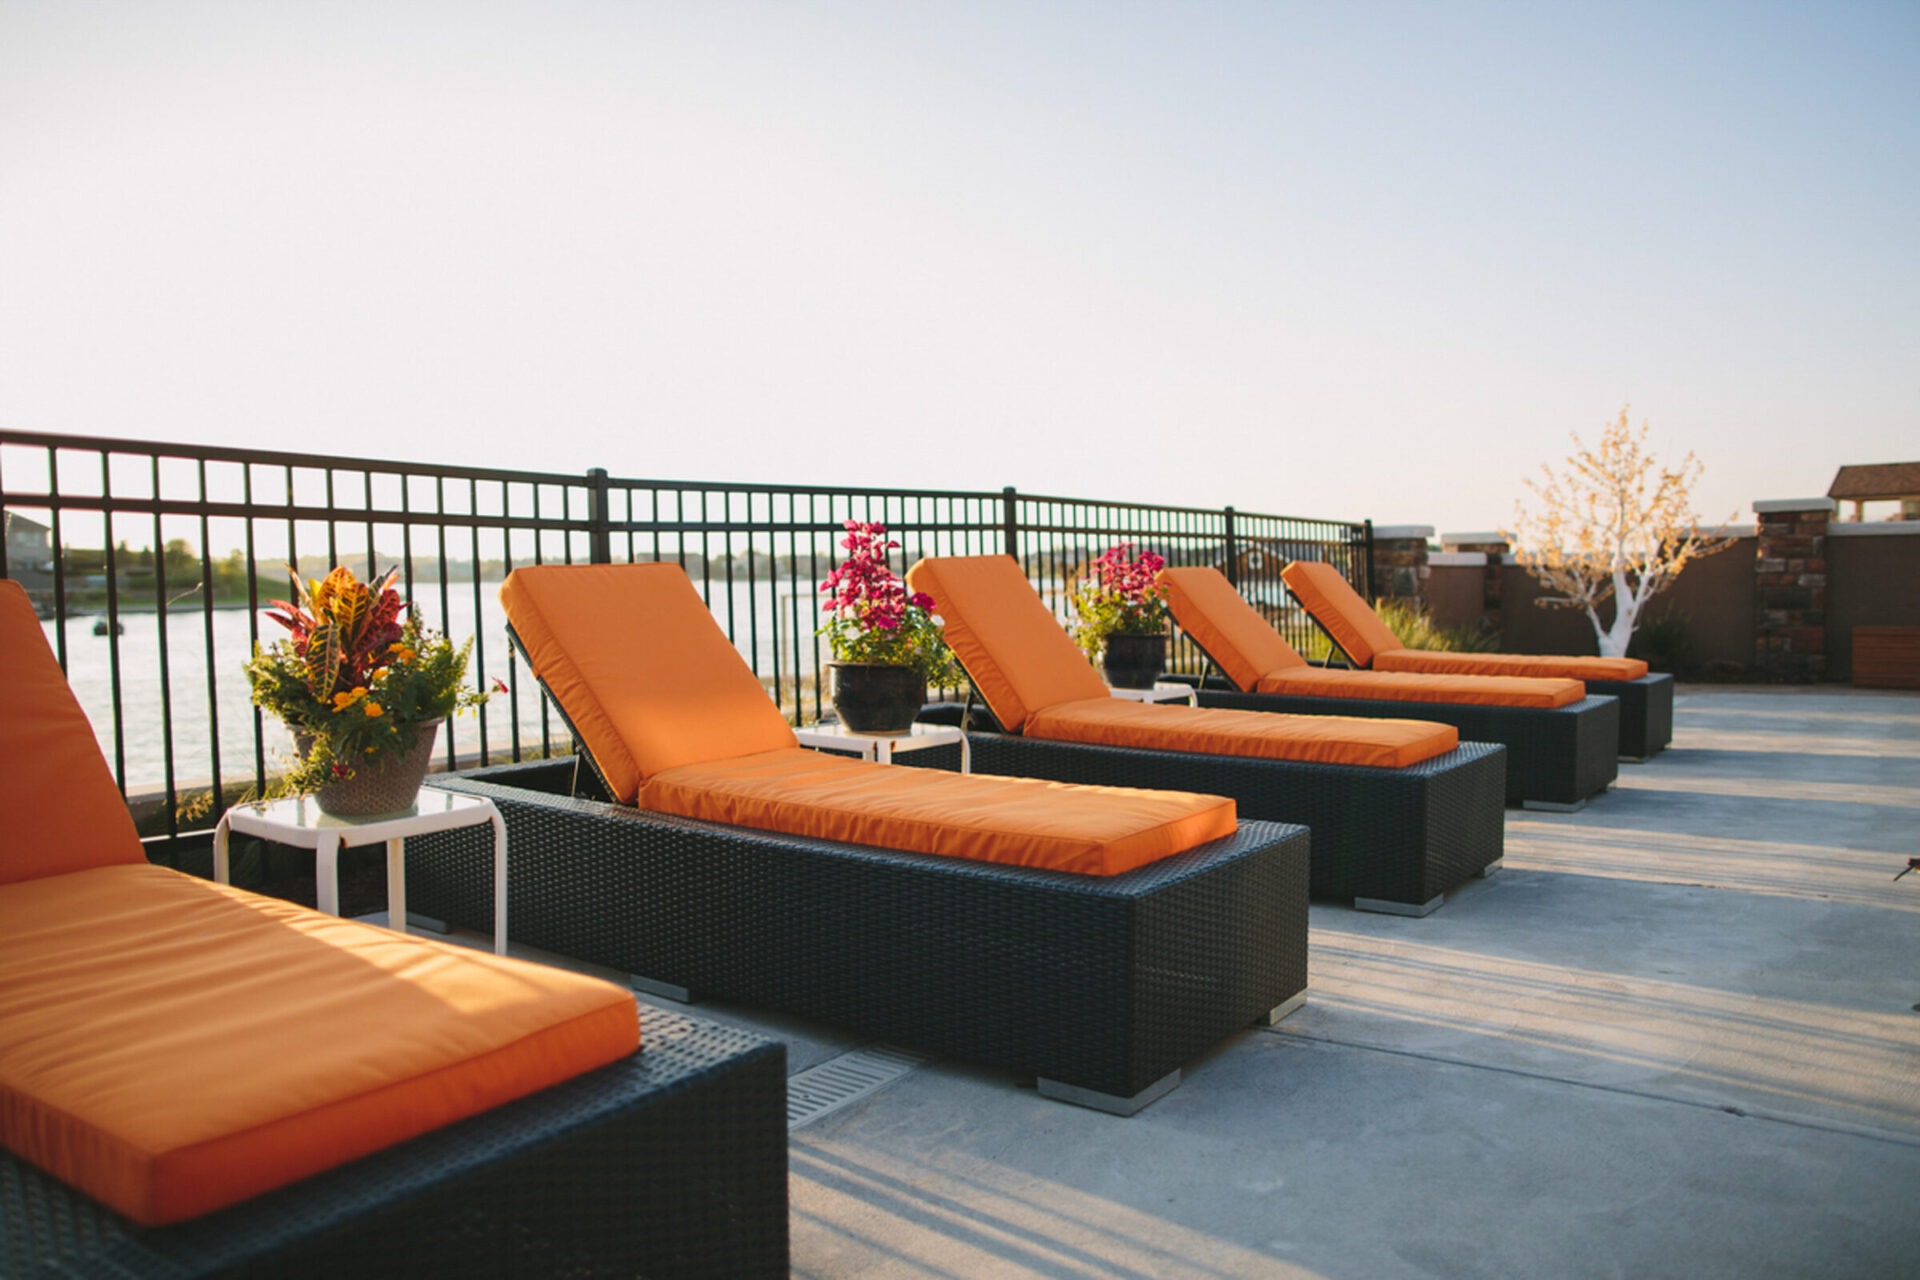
1646 713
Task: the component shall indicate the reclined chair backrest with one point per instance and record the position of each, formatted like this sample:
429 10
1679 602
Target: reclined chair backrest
1241 643
640 669
1016 653
59 805
1333 602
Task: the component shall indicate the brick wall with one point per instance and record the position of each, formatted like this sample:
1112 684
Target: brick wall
1400 561
1790 588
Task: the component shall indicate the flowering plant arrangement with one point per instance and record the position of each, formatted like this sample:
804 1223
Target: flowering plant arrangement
872 617
358 675
1119 594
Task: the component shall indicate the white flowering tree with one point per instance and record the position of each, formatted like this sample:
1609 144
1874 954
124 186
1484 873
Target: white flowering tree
1615 525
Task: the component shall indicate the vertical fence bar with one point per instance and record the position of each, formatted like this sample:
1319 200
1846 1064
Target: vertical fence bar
599 529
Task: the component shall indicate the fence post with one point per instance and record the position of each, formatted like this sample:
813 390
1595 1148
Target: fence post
600 528
1367 527
1233 551
1010 521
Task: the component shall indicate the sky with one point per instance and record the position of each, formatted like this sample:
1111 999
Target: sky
1354 260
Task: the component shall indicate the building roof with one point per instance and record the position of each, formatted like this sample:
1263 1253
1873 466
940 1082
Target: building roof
1881 480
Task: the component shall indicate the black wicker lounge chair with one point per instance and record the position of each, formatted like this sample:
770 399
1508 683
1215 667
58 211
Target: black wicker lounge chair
1101 987
1645 697
1387 839
670 1163
1558 756
665 1160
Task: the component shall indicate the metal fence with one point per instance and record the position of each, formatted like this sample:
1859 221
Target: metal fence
152 563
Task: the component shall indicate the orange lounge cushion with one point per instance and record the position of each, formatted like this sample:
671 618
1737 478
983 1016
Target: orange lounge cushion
1016 653
1439 662
59 805
1231 631
1023 822
1398 686
1112 722
172 1046
1331 599
642 669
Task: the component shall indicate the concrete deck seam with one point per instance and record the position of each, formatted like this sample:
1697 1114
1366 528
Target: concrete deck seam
1744 1113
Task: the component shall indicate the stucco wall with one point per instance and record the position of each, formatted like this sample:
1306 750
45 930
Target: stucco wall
1873 580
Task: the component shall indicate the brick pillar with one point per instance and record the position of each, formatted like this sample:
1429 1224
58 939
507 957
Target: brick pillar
1790 589
1496 549
1400 561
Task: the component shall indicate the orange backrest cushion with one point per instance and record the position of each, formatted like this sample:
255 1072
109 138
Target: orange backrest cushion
1331 599
1022 822
1571 667
640 667
172 1046
1015 652
1410 686
1220 620
1111 722
60 810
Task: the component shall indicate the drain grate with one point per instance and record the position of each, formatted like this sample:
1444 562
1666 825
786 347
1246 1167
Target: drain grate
824 1089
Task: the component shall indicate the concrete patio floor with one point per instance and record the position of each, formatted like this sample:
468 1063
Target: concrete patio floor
1676 1036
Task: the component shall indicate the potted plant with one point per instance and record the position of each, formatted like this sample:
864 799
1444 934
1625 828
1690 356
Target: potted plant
363 686
886 642
1121 616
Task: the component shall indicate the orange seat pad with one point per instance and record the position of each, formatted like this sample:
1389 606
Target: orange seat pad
1111 722
1256 657
1023 822
1015 651
1570 667
1348 618
172 1046
1406 686
641 668
1229 630
60 808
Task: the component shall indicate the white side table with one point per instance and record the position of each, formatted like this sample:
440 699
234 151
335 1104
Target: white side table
1161 693
297 821
884 746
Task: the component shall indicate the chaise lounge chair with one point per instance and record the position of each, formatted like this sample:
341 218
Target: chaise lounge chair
1560 742
1646 699
196 1080
1401 810
1096 939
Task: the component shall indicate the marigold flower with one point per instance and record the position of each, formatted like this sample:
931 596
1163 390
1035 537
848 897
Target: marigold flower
374 710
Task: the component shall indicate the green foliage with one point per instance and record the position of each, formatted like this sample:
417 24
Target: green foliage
1417 630
360 693
1118 594
872 617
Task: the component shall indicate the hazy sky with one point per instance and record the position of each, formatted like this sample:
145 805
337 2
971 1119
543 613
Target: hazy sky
1332 259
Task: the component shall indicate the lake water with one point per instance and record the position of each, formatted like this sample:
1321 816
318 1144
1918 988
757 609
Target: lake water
147 730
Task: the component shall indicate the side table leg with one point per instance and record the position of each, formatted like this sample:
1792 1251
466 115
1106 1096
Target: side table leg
397 885
222 869
326 873
499 884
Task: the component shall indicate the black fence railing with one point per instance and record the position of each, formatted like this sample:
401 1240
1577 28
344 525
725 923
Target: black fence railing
152 563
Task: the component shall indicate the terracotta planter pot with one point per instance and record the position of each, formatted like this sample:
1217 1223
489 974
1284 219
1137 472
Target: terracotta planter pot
872 697
1134 661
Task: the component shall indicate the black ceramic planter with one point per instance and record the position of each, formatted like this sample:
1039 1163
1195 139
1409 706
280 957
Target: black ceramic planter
872 697
1134 661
